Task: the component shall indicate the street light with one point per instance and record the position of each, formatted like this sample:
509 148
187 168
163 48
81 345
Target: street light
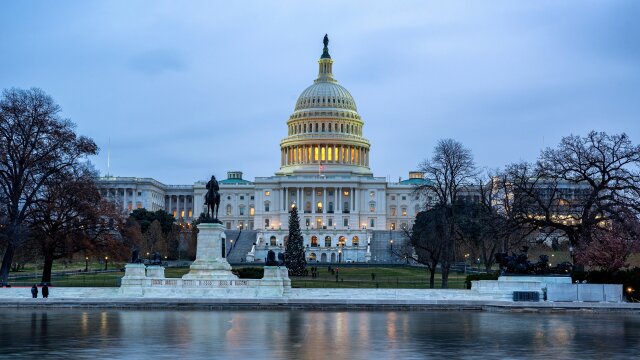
106 261
86 264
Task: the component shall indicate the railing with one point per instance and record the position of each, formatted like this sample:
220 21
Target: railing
198 283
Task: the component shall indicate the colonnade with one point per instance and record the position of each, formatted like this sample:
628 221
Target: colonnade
339 197
325 154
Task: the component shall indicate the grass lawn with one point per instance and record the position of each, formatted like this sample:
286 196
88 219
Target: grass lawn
348 277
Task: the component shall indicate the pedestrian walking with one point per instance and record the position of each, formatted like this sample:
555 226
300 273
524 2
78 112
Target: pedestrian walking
45 291
34 291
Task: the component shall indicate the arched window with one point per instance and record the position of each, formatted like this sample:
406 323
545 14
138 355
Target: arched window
342 241
314 241
286 240
329 127
305 127
312 257
241 208
327 241
393 211
273 241
229 210
404 211
322 127
355 241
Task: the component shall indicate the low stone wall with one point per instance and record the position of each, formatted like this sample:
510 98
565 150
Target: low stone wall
584 292
141 281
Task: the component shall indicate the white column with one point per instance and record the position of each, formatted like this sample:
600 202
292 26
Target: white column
335 197
313 200
124 200
324 200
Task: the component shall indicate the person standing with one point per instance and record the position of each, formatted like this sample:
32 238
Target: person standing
34 291
45 291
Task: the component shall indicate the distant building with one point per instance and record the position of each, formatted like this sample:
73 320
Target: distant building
324 171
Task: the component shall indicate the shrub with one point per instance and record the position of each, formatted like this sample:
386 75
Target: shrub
474 277
249 272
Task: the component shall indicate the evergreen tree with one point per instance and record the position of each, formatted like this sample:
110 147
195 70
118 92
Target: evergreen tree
294 251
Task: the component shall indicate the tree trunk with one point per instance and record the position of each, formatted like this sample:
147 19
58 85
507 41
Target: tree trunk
445 276
46 270
432 278
6 262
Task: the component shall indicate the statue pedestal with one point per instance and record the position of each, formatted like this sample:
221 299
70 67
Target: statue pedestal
210 262
132 282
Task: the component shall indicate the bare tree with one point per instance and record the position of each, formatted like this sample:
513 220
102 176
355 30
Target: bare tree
578 187
35 144
449 170
427 237
71 217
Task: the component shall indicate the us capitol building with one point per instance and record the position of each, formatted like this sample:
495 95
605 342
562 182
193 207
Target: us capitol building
346 213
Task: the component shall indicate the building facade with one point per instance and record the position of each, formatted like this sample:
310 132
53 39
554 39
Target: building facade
324 172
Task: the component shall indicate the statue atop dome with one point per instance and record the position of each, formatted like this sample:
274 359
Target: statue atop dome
325 51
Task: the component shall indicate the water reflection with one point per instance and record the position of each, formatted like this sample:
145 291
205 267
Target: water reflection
64 334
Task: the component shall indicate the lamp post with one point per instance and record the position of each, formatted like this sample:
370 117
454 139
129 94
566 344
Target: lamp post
86 264
571 255
106 262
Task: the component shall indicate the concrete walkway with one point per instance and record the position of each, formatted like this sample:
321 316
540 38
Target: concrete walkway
321 299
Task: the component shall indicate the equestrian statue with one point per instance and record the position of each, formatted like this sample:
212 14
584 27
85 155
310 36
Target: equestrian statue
212 200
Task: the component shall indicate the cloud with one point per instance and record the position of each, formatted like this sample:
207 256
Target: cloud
157 61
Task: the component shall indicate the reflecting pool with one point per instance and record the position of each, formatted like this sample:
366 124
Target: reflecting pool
303 334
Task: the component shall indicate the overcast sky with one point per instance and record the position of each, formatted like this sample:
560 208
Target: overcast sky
185 88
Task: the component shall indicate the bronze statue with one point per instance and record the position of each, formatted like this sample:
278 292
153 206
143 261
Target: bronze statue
325 41
212 199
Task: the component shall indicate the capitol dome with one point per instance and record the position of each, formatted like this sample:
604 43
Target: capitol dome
325 94
325 129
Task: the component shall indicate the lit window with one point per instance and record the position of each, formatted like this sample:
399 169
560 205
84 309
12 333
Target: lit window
252 211
314 241
182 213
267 193
355 241
393 226
404 211
342 241
404 226
372 193
190 213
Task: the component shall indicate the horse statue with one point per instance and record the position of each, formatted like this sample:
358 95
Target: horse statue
212 199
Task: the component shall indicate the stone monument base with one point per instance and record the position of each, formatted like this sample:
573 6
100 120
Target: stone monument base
210 263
